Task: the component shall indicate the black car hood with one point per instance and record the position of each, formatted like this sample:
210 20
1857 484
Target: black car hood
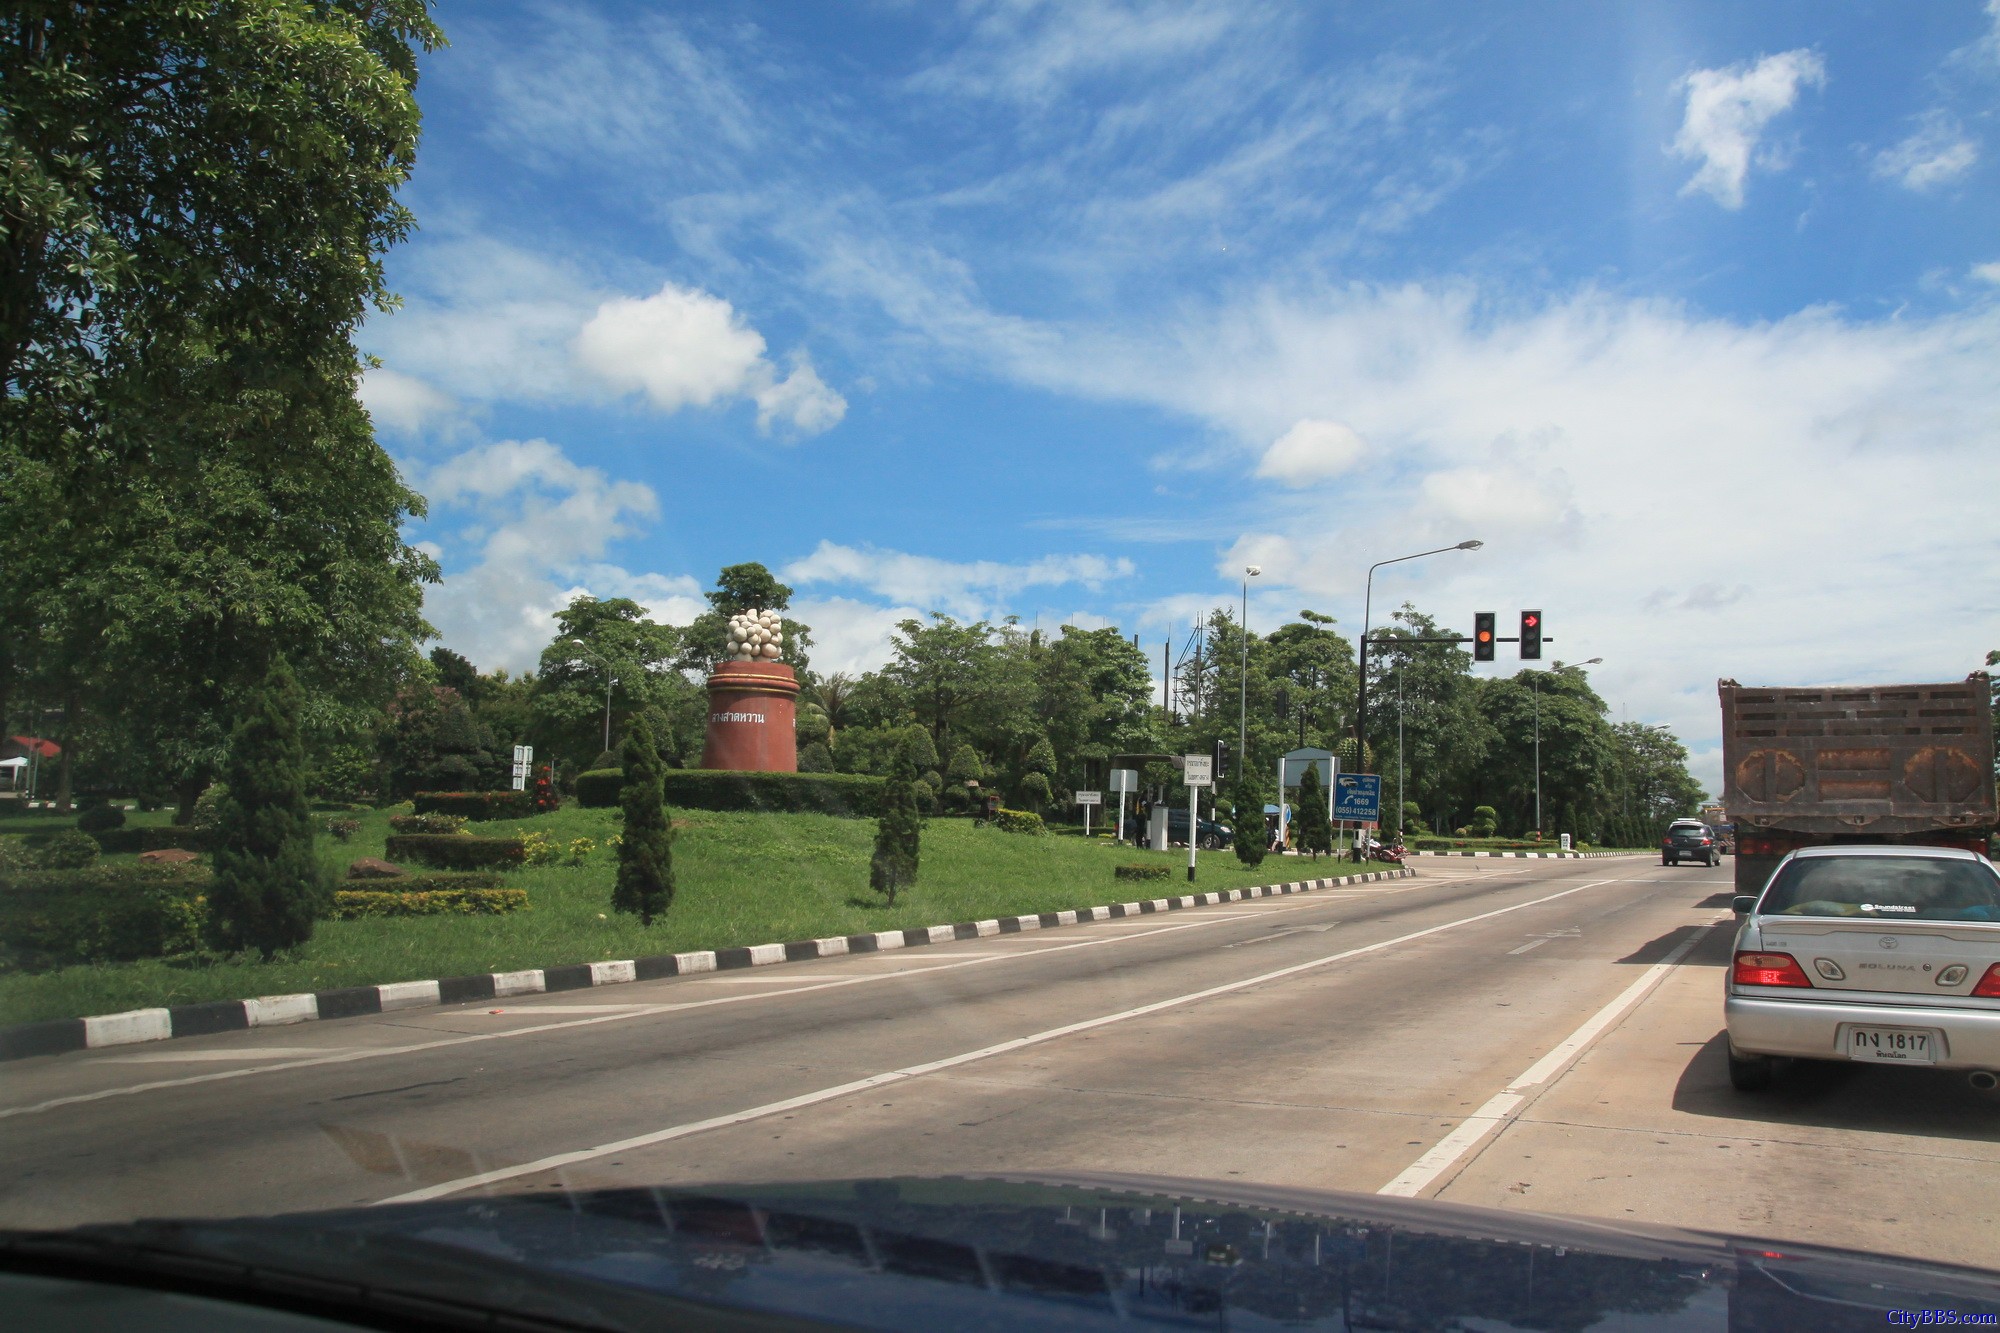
996 1252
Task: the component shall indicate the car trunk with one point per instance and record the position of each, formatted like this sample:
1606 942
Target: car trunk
1917 958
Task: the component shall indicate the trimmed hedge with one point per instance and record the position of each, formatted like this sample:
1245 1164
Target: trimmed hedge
456 851
156 837
1018 821
1142 872
475 804
852 795
103 914
427 823
351 904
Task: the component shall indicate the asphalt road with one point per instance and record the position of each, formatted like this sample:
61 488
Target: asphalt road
1530 1035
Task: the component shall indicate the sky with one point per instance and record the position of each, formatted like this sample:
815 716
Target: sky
1071 311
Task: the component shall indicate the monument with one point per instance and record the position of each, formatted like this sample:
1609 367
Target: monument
753 701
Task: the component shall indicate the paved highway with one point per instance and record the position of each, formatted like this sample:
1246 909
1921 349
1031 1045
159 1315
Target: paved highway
1531 1035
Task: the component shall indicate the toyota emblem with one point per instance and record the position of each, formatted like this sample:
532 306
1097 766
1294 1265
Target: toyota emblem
1887 942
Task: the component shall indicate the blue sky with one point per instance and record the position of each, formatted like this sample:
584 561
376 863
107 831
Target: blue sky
1068 311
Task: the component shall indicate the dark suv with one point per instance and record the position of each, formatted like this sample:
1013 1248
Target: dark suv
1690 840
1213 834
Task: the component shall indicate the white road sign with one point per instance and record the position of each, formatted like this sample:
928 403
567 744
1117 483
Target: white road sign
1124 779
1198 770
1090 798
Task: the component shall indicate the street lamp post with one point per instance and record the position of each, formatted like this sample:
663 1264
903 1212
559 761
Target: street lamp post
1243 673
1367 611
609 681
1535 686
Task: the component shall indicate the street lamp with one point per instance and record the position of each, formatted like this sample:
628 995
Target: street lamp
1367 611
1243 673
609 681
1535 686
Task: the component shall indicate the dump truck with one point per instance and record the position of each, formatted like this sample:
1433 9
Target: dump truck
1803 767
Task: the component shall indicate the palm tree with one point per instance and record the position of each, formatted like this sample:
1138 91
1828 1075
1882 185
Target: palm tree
835 691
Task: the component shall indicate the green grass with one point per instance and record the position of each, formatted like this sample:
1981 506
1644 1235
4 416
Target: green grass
743 879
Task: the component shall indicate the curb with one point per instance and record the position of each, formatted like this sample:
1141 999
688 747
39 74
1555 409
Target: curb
63 1035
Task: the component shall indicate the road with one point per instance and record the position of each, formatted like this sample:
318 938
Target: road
1523 1035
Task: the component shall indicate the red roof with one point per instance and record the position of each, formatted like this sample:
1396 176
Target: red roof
34 744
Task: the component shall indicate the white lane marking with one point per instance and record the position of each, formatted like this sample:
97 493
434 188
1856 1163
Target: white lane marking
560 1160
1531 944
1500 1108
172 1057
625 1012
558 1007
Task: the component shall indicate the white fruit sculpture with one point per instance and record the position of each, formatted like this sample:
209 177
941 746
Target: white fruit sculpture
756 636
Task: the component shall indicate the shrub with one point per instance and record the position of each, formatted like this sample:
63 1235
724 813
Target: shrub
456 851
1310 827
105 914
579 849
268 887
598 789
207 806
815 758
898 832
851 795
153 838
101 819
475 804
350 904
427 823
539 849
1250 836
343 827
544 797
71 849
645 883
1485 821
1142 872
1019 821
1034 791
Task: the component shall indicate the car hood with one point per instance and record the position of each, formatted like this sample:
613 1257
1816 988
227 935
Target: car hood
1004 1251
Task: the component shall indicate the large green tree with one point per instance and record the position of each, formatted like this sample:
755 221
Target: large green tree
598 642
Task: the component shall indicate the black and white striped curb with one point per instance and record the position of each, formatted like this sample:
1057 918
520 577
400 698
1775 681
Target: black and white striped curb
197 1020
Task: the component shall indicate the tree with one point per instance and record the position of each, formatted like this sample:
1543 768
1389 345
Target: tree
646 844
1248 800
268 888
740 588
898 832
944 670
1311 827
618 637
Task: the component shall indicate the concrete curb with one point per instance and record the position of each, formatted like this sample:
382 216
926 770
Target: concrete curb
1541 856
62 1035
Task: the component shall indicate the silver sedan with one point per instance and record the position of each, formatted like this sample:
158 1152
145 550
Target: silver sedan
1886 955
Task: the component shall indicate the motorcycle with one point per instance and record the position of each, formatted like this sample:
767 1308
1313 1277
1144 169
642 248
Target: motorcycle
1388 855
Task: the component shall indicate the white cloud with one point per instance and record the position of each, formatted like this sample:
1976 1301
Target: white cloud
1937 152
538 525
1727 110
847 634
972 588
403 403
802 401
681 348
1312 451
1987 272
493 323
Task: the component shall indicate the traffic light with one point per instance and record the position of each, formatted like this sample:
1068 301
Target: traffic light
1482 636
1221 768
1531 636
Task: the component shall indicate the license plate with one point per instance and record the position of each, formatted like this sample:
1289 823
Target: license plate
1902 1046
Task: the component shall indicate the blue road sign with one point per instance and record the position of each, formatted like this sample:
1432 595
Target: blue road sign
1357 797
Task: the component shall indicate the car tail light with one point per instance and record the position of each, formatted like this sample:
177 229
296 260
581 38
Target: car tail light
1704 842
1777 969
1989 985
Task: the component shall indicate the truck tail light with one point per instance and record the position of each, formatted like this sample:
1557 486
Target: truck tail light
1989 985
1780 969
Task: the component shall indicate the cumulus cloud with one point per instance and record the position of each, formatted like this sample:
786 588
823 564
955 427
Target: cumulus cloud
532 528
849 634
1939 151
1312 451
1987 272
489 322
403 403
968 588
1727 111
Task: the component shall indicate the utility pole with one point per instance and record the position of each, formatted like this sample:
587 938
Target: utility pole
1243 671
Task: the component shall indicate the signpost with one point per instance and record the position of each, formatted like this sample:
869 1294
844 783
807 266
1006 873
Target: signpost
1357 799
1123 780
1086 799
1197 771
524 762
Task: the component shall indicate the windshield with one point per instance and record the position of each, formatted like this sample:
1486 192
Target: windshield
612 596
1899 888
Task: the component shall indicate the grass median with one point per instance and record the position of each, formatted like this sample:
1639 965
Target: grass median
743 879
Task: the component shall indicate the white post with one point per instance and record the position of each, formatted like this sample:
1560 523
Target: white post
1193 829
1119 834
1283 809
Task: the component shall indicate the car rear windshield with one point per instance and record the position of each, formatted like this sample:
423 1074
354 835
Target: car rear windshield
1905 888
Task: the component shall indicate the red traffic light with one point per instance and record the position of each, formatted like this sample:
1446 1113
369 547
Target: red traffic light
1529 620
1531 635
